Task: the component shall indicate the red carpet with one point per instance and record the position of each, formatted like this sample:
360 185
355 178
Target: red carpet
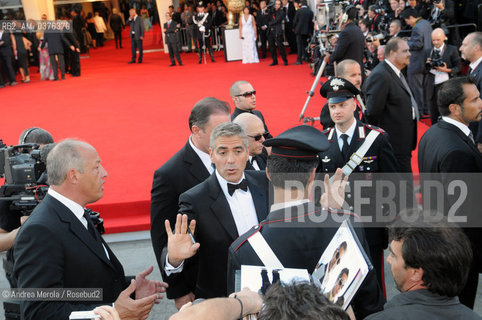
136 116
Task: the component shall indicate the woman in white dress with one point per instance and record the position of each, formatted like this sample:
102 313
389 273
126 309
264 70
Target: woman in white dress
247 33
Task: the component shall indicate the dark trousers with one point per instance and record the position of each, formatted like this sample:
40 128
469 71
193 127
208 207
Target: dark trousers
55 65
301 41
74 63
263 37
173 49
22 61
100 39
118 38
8 66
415 82
431 92
276 41
207 44
136 44
191 37
290 37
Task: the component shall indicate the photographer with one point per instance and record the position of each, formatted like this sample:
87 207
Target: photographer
11 218
443 62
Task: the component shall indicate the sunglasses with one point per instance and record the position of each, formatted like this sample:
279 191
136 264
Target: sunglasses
259 136
247 94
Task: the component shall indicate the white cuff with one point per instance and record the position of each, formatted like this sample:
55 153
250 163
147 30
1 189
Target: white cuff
169 269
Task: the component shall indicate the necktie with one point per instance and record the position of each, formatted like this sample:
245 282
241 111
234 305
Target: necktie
470 70
243 185
414 103
471 137
344 149
90 226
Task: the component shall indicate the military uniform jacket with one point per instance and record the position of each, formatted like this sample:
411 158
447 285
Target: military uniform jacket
208 22
379 158
298 239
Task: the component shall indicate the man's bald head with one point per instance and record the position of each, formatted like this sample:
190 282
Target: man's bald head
438 37
350 70
253 126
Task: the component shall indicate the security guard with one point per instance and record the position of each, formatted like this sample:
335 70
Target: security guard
361 148
297 230
204 22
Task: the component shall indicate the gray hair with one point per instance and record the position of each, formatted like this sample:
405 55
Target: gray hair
341 67
228 129
235 88
63 157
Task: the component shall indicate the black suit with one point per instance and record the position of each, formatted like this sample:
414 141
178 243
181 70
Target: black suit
260 160
6 56
262 20
216 229
379 158
303 25
172 40
350 45
475 126
445 149
72 58
451 57
54 250
257 113
300 245
55 42
117 25
275 35
389 107
179 174
289 18
136 33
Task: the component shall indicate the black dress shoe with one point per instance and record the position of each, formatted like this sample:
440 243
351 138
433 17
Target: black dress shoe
297 63
180 64
273 64
285 63
139 61
131 62
172 65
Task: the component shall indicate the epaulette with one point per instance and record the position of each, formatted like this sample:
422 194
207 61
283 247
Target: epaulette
372 127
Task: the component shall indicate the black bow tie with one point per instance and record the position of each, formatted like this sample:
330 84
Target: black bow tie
243 185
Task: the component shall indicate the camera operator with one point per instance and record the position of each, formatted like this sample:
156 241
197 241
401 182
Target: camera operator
371 54
443 62
11 218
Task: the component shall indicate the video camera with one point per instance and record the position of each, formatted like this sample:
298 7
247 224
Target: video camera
24 169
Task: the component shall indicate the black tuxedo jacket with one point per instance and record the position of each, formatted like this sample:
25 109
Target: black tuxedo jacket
116 23
477 127
54 250
300 243
257 113
290 13
303 21
389 107
445 149
350 45
260 160
262 19
170 31
276 22
216 229
179 174
450 56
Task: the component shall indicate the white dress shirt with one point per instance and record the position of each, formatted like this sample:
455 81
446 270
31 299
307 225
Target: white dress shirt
350 132
465 129
205 158
254 163
76 209
241 205
440 77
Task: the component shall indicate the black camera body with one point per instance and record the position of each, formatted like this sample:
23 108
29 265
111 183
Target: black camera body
435 60
25 176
